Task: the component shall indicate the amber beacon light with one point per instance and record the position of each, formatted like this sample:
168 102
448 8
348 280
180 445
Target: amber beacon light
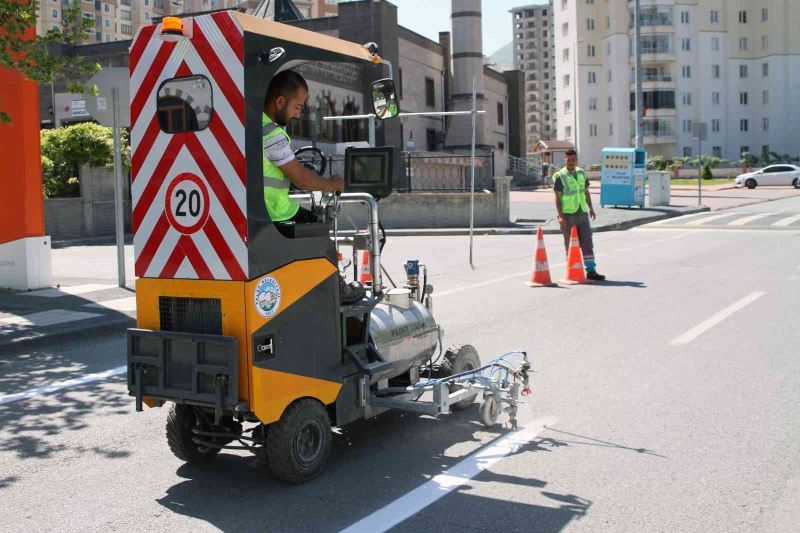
172 29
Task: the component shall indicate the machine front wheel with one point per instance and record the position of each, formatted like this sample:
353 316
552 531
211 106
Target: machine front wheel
750 183
458 359
180 421
299 443
489 410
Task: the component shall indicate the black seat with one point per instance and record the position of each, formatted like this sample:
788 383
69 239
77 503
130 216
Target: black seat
293 230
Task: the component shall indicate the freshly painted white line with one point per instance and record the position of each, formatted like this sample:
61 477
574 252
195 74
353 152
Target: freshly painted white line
46 318
746 220
706 220
441 485
709 323
788 221
679 219
60 385
69 291
123 305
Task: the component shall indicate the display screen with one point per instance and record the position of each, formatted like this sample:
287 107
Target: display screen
369 169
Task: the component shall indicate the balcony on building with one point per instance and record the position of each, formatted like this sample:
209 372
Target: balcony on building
653 77
653 18
655 48
656 131
658 103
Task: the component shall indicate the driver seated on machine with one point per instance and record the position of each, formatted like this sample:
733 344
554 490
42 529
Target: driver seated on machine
284 101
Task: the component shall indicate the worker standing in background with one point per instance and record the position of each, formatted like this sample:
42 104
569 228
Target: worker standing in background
574 205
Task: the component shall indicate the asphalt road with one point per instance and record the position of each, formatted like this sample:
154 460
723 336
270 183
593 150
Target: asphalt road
666 399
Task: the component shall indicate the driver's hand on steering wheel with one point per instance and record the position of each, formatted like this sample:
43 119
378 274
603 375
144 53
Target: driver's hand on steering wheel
336 183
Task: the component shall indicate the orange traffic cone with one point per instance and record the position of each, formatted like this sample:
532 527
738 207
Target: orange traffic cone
364 270
575 272
540 276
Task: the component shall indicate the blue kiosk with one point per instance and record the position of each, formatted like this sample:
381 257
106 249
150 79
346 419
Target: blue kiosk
623 175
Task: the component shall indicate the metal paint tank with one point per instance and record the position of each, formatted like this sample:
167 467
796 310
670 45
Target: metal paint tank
403 330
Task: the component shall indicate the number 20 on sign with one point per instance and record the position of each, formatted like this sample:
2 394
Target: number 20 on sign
187 205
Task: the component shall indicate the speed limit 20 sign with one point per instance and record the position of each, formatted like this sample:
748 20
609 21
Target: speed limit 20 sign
187 206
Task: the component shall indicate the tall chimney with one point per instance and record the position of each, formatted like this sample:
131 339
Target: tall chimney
467 50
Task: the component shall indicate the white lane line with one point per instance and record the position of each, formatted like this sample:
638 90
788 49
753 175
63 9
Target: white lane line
59 385
46 318
441 485
788 221
709 323
706 220
65 291
123 305
678 220
746 220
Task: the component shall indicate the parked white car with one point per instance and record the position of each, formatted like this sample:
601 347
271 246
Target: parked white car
771 175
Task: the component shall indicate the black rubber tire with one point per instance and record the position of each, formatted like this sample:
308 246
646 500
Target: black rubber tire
796 183
459 359
180 421
750 183
489 410
304 424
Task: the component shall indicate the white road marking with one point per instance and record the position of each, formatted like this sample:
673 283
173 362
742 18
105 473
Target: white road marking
746 220
788 221
46 318
71 291
123 305
678 220
709 323
441 485
59 385
706 220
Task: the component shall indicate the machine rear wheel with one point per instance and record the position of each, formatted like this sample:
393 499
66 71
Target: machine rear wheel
299 443
489 410
180 421
458 359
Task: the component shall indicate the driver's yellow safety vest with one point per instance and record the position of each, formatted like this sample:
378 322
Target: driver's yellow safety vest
276 184
573 195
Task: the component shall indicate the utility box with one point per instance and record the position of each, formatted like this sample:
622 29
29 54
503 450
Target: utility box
623 175
658 184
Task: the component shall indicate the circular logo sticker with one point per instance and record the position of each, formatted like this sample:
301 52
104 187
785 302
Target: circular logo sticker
187 206
267 297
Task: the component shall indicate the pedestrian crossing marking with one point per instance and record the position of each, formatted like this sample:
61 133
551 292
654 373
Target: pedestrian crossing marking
706 220
73 290
46 318
745 220
787 221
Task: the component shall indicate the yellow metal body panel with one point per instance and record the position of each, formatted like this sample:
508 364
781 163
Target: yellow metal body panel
273 391
230 295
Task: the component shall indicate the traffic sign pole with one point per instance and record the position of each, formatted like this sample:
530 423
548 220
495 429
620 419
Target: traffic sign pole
119 189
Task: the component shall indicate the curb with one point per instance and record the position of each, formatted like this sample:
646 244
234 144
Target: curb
109 327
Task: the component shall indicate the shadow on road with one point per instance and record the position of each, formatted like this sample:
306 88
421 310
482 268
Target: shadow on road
372 463
591 441
615 283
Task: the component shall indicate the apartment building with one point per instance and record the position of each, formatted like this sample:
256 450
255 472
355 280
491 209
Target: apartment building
732 64
118 20
534 48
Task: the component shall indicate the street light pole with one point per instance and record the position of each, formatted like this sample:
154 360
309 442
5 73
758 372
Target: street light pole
638 70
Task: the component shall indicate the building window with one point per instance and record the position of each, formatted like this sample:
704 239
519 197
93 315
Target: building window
608 22
715 44
107 23
608 49
765 69
400 82
568 132
714 17
592 104
565 29
764 14
565 54
686 71
590 24
716 151
566 80
567 107
765 123
592 130
105 8
125 29
430 95
743 98
610 103
764 42
715 71
687 125
742 71
715 98
685 17
687 98
742 43
590 51
687 151
500 114
686 45
430 139
88 15
743 125
55 13
146 15
765 96
124 14
563 4
744 149
611 128
742 17
715 125
590 1
609 76
592 77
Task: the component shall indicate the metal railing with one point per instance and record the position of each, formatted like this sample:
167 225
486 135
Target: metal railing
434 172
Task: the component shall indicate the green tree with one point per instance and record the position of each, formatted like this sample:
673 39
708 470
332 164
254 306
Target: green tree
32 57
64 150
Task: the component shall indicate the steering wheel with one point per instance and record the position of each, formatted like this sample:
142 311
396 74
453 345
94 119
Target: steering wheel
312 158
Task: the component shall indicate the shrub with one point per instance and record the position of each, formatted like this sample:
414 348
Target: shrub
657 162
706 172
64 150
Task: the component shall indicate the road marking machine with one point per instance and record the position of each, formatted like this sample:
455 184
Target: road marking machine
242 322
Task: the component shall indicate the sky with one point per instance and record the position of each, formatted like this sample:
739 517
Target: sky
429 17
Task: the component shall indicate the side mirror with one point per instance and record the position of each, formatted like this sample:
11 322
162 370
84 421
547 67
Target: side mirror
384 99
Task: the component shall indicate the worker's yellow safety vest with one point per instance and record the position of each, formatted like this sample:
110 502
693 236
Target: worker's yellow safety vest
276 184
573 195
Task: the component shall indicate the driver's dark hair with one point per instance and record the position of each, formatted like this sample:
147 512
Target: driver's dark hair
286 84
